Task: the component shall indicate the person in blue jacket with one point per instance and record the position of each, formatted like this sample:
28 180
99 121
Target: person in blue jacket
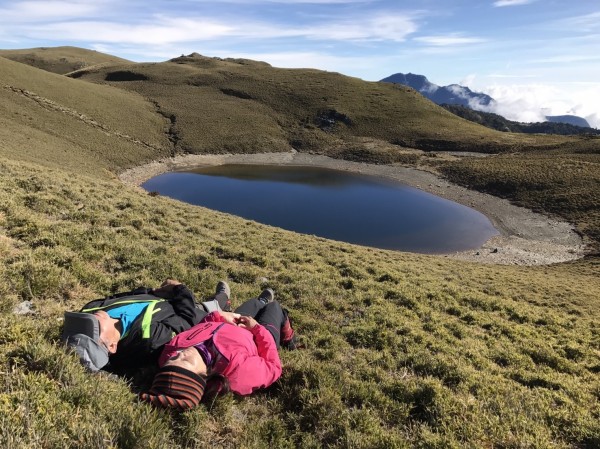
123 332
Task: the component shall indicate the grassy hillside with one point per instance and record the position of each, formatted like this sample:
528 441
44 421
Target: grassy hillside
560 183
72 123
218 105
401 350
60 60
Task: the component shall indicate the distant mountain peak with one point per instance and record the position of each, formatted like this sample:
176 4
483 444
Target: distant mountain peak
570 119
455 94
418 82
452 94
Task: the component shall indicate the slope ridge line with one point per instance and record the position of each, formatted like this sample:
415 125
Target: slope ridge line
54 106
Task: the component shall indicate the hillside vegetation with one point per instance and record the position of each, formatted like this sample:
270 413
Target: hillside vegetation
60 60
243 106
83 126
402 350
500 123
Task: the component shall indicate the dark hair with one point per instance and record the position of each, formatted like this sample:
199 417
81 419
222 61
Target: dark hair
216 385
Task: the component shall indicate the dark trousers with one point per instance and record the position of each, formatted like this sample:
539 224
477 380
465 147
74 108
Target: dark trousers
268 315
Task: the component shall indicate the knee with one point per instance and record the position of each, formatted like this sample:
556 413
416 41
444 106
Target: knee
274 305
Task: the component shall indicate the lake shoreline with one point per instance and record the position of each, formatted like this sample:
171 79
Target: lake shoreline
526 237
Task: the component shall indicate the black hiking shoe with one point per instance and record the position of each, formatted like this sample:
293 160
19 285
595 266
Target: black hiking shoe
266 296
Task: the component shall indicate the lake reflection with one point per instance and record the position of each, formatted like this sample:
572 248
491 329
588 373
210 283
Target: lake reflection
333 204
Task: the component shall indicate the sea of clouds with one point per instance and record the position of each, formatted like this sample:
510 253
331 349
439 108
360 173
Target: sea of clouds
532 102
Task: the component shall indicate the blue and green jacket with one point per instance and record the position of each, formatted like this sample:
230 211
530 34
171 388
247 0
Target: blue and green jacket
160 321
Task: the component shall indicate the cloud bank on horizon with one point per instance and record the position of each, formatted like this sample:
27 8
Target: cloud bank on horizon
534 57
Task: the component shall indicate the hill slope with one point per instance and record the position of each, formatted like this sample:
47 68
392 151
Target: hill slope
60 60
402 350
60 120
218 106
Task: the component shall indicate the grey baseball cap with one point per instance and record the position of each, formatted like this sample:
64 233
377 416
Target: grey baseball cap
81 332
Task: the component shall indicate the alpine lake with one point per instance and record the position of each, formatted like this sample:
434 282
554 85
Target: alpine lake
337 205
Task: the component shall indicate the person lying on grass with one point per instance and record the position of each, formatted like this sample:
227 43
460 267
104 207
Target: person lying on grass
226 351
121 333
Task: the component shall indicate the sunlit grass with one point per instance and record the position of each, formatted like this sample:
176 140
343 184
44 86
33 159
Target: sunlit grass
402 350
560 183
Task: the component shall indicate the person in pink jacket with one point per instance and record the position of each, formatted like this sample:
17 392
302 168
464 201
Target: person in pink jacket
238 351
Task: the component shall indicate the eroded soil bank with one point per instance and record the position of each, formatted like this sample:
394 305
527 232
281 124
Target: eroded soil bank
526 237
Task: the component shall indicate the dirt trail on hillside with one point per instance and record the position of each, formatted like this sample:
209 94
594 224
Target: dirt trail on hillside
56 107
526 237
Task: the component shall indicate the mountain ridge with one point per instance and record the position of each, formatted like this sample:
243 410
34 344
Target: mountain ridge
455 94
60 60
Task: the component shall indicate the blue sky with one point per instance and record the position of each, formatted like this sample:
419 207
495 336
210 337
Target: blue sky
533 56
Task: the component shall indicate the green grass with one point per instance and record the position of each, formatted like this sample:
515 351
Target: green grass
60 60
63 122
240 106
402 350
560 183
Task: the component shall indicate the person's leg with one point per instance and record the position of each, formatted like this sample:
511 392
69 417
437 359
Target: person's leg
268 312
250 307
271 316
288 336
220 300
253 306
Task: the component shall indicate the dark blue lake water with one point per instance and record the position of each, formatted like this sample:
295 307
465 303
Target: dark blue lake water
333 204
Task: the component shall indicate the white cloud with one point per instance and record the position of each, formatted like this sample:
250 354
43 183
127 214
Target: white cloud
532 102
566 59
583 23
379 28
593 119
501 3
34 11
323 2
314 1
448 40
162 29
468 80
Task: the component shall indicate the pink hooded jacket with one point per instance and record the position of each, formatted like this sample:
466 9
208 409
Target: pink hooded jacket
251 360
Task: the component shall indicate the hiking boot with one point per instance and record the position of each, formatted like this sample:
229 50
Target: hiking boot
266 296
288 336
223 287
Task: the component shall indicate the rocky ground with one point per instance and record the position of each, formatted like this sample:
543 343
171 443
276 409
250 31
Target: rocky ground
526 237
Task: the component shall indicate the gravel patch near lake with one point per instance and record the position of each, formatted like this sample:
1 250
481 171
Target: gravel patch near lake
526 237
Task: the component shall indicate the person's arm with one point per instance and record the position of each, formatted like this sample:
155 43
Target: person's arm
136 291
183 302
265 368
185 313
265 344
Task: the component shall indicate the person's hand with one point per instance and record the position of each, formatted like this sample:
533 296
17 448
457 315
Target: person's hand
230 317
172 282
247 322
166 288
